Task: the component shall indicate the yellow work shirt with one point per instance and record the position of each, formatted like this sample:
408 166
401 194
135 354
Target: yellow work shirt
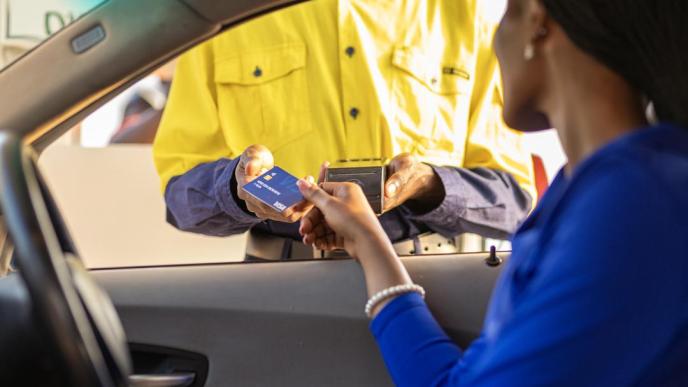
348 79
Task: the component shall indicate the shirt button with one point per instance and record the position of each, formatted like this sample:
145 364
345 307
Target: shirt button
257 72
354 112
350 51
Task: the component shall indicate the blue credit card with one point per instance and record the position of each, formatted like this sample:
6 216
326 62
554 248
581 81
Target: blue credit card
276 188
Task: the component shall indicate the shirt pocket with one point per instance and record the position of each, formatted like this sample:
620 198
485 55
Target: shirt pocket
432 96
262 96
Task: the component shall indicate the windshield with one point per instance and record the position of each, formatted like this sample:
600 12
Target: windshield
25 24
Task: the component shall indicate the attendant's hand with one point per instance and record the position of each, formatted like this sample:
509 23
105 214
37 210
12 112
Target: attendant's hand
413 183
255 161
342 218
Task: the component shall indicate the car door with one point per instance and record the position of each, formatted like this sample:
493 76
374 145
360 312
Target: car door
286 323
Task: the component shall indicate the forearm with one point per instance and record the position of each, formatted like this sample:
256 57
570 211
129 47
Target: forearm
416 350
482 201
202 201
381 266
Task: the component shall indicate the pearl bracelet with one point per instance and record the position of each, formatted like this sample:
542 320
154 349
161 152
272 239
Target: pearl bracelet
389 293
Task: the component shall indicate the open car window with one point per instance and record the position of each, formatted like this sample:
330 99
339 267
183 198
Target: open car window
103 178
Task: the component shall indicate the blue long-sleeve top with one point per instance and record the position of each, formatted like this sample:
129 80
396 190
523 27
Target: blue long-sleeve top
595 292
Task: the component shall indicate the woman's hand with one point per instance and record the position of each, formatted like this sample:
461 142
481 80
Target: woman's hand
342 217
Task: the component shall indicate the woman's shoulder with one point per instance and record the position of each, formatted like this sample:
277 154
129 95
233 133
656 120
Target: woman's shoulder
652 164
625 206
632 195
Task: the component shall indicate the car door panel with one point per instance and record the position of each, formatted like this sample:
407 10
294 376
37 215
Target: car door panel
286 323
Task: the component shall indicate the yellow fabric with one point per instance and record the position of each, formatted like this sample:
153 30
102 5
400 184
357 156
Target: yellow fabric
421 74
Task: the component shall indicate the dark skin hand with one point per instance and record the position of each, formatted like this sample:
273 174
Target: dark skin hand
412 183
256 160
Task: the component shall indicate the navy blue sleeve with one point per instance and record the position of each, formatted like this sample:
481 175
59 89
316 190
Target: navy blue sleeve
490 203
203 200
481 201
596 302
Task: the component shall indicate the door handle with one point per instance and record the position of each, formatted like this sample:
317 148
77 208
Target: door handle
181 379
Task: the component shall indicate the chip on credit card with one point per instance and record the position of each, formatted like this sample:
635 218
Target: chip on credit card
276 188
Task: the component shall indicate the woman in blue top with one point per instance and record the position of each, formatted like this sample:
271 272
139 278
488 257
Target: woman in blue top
596 290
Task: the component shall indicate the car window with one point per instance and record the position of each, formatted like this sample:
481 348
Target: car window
103 176
25 24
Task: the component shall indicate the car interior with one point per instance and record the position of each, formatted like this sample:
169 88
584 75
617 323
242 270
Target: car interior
207 323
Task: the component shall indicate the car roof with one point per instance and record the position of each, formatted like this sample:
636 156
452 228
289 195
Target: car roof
89 62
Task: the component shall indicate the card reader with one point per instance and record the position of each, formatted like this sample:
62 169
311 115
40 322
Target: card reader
371 179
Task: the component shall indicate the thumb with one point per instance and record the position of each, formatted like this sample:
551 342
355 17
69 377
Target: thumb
323 171
254 167
255 159
313 193
400 169
394 184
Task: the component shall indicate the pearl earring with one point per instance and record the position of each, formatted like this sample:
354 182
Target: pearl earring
529 52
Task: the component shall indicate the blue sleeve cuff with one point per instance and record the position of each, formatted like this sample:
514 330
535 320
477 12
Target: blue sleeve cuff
226 198
453 205
393 309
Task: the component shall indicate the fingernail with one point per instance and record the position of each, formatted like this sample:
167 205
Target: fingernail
310 179
303 183
392 188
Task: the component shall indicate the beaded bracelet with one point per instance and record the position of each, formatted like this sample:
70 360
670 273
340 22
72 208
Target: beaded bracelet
389 293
